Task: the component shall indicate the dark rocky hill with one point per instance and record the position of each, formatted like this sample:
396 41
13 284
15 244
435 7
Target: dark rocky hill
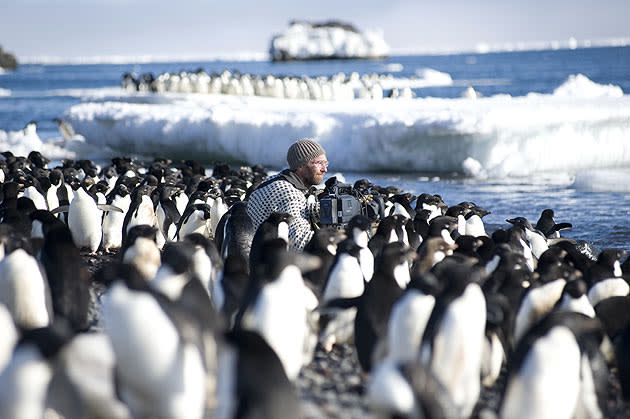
7 60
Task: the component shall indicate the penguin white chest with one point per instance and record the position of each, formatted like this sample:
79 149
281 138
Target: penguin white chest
84 221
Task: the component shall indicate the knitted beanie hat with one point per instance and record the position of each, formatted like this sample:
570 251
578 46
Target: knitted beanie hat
302 152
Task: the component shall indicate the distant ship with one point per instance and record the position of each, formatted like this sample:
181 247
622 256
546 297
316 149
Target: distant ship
304 40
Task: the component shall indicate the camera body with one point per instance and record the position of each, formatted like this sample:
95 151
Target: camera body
340 202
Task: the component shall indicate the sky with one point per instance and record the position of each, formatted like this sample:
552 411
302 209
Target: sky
83 28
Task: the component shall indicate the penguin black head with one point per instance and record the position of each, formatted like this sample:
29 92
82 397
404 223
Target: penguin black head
37 159
521 222
456 210
360 222
179 256
394 254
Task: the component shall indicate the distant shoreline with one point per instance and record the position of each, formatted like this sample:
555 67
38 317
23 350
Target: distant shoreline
481 49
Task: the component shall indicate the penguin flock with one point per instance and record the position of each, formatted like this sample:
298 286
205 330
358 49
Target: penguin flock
200 316
336 87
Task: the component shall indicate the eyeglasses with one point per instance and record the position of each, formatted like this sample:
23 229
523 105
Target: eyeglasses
321 164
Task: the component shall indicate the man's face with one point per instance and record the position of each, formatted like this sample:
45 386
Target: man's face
312 173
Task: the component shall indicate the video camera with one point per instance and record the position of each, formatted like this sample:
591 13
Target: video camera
339 202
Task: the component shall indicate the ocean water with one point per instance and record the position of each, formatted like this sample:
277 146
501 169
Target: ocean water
550 130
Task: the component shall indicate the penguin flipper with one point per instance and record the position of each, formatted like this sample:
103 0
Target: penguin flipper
62 208
107 207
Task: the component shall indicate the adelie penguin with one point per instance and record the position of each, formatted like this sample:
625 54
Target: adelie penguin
557 371
345 280
140 250
453 342
238 232
275 226
548 226
323 244
252 381
280 310
24 290
159 349
388 283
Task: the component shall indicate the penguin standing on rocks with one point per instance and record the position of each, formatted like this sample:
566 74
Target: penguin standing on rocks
388 283
140 211
67 275
345 280
252 380
238 232
453 342
158 345
281 308
167 213
113 221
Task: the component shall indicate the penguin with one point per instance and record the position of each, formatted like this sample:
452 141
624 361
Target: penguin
431 252
238 232
409 317
282 298
167 213
68 277
324 245
33 191
453 341
140 210
408 390
574 299
474 222
433 203
402 205
538 300
206 261
557 371
390 278
84 221
537 240
358 230
175 269
24 290
345 280
547 225
140 250
195 219
158 346
88 362
231 288
275 226
252 381
113 221
26 380
443 226
10 336
604 281
390 229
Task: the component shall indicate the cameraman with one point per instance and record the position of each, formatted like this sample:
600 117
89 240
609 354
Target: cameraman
288 191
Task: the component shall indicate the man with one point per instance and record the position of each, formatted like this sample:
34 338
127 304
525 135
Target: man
288 191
